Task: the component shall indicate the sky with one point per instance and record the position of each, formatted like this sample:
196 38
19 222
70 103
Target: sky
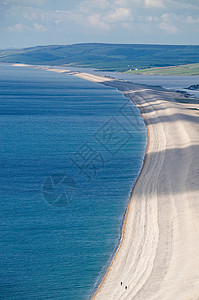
26 23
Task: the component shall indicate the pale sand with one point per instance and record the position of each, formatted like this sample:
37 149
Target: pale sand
158 257
159 254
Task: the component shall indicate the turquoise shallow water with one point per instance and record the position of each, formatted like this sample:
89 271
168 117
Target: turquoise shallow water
70 153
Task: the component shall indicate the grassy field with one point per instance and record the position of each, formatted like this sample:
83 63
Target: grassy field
188 69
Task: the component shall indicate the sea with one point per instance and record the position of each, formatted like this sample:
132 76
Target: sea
70 153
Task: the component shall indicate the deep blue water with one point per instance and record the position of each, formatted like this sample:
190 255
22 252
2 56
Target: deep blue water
70 152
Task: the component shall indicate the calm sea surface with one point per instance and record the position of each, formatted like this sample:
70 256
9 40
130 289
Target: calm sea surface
70 152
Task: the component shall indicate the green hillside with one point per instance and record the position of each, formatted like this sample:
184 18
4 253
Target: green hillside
189 69
105 56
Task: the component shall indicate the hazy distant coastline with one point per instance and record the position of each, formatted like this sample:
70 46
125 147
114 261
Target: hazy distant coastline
108 57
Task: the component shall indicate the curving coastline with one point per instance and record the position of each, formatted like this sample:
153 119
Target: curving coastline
157 257
158 254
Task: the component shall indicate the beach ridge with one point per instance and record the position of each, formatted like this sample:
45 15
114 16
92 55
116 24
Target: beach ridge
157 256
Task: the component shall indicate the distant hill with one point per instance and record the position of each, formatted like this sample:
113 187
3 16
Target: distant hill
120 57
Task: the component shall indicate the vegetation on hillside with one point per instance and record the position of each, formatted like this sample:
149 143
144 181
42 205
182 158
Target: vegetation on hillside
109 57
188 69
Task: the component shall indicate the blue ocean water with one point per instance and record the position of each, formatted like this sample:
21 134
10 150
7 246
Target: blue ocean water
70 152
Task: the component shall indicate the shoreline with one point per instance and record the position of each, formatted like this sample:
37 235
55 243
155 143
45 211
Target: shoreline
100 79
156 281
123 226
157 256
104 292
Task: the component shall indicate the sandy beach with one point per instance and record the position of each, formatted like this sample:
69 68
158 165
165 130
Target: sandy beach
158 257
